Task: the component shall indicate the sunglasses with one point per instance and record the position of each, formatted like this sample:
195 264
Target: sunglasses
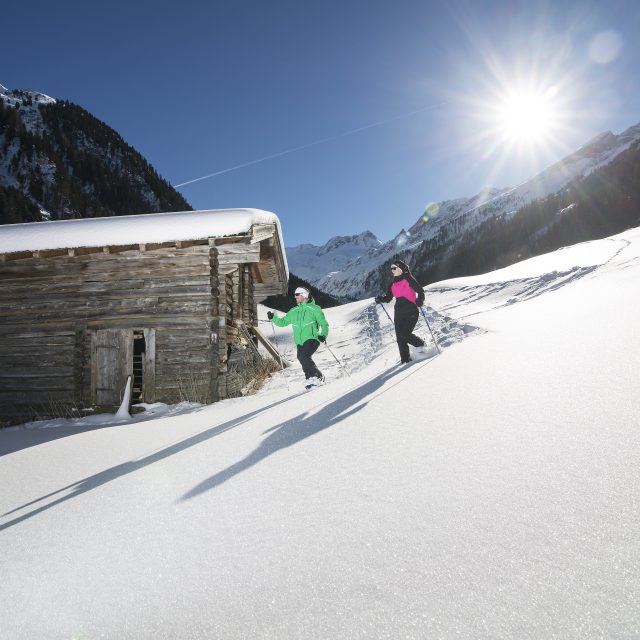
394 266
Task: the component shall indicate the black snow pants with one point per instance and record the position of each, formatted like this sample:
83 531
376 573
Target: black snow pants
405 319
305 351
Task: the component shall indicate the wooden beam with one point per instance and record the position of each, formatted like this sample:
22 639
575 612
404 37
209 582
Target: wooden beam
238 253
220 242
84 251
226 269
151 246
255 270
17 255
266 343
50 253
185 244
120 248
260 232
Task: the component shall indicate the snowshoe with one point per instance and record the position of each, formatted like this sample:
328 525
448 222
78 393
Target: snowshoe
313 382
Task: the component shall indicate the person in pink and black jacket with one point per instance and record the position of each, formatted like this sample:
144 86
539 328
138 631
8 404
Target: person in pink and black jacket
409 296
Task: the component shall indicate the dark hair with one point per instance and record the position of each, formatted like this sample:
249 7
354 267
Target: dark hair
404 266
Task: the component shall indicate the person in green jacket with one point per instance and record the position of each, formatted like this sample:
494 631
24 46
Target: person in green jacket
310 328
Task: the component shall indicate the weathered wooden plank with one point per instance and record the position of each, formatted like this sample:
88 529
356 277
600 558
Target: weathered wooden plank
266 343
113 353
135 321
34 362
31 397
44 335
28 342
183 337
13 358
238 254
84 251
183 348
256 272
219 242
154 304
120 248
149 366
151 295
99 253
92 258
40 387
104 272
40 372
264 291
124 272
260 232
80 361
184 244
28 315
16 255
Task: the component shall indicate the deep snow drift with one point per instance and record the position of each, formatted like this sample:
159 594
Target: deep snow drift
487 492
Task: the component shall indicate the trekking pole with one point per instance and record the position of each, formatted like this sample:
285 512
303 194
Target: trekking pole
284 375
336 359
424 315
388 316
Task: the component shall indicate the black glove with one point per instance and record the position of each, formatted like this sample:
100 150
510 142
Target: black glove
270 315
322 338
377 299
419 302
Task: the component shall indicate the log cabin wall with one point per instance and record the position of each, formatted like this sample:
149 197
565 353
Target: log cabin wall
60 308
249 304
243 357
75 322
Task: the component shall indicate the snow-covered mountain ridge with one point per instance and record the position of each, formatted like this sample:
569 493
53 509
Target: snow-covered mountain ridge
333 256
57 161
444 224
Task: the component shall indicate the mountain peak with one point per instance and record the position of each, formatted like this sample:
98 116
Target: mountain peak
22 97
61 162
363 241
312 262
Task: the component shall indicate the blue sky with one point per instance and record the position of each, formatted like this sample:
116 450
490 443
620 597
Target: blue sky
406 96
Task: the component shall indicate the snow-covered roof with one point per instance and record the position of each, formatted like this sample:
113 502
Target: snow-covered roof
122 230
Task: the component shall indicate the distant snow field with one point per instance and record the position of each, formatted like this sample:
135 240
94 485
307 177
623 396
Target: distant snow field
487 492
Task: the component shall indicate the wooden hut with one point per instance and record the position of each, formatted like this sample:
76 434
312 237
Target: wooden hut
169 298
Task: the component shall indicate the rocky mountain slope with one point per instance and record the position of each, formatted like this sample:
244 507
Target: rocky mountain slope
57 161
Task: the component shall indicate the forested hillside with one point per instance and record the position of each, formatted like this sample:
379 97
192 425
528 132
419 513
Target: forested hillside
57 161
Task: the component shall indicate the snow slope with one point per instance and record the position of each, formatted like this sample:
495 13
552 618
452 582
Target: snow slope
449 220
487 492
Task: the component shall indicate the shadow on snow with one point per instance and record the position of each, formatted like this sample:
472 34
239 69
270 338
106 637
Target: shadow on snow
305 425
280 436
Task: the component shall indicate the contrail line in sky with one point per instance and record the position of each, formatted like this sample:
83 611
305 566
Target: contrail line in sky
304 146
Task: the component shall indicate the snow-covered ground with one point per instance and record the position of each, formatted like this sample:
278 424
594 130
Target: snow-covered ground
490 491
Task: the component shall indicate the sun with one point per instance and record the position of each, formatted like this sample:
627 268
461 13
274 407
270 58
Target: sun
527 117
519 122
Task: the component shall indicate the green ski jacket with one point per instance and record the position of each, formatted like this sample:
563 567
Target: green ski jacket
307 319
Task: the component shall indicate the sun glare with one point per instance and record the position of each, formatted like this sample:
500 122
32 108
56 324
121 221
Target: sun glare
518 121
527 117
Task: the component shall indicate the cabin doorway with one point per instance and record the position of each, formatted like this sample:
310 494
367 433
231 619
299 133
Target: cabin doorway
117 354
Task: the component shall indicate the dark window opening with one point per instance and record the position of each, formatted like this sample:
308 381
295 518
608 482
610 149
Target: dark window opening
139 349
